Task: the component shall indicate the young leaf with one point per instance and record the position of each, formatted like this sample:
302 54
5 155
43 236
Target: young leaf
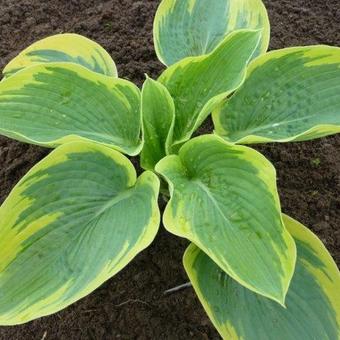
313 304
158 113
198 84
289 95
72 48
51 104
187 28
224 199
74 221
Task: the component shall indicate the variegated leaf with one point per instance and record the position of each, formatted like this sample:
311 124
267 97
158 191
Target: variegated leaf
224 199
51 104
75 220
158 113
198 84
71 48
187 28
289 95
312 303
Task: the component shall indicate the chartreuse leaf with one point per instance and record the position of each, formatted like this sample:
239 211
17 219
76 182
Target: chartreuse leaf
72 48
313 303
198 84
289 95
158 113
51 104
224 199
74 221
186 28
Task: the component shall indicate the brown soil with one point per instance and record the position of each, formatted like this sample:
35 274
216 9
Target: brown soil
132 305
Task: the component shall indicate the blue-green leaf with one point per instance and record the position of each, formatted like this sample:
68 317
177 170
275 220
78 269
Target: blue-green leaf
67 47
224 199
158 113
312 304
198 84
75 220
187 28
289 95
55 103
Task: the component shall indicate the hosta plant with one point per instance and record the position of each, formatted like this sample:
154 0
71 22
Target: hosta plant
81 214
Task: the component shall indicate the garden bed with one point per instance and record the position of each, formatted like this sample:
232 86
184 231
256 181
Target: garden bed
132 304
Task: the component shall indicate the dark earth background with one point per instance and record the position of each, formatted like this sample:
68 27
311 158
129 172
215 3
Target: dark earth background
132 304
